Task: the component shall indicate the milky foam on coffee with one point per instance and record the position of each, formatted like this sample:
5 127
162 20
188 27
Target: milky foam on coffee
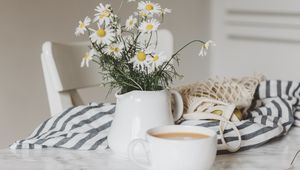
180 135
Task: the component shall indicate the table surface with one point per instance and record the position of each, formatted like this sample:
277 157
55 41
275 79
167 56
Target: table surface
272 156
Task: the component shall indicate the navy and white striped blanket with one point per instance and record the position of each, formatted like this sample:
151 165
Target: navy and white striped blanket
274 110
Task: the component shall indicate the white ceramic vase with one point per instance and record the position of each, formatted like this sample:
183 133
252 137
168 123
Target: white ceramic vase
138 111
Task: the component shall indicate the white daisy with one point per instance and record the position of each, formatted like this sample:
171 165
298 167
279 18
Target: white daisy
105 36
115 49
142 14
130 23
104 13
140 61
205 47
149 26
166 11
158 59
88 57
149 7
82 26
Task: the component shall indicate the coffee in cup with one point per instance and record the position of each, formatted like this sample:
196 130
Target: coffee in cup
176 147
180 135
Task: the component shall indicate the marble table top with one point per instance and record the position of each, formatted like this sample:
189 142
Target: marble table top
275 155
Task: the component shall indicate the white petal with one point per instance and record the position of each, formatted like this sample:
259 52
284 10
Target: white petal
82 63
201 53
167 11
87 21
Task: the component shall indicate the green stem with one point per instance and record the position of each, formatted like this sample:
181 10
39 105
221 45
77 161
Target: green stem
134 43
120 6
149 40
128 84
156 43
135 40
95 61
164 67
140 87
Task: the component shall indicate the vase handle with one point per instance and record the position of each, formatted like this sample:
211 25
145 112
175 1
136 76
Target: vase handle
178 110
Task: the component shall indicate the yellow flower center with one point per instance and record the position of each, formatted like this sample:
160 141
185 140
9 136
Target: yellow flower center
155 58
149 27
143 14
116 49
131 22
104 14
81 25
149 7
206 45
86 56
141 56
101 33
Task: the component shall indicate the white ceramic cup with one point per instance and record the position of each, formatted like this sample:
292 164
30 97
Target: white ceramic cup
176 154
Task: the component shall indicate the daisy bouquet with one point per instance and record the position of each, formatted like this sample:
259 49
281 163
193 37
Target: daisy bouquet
126 53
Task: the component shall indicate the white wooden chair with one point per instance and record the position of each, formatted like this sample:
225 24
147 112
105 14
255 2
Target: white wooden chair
64 76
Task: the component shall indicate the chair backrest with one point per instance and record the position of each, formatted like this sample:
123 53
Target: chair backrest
63 74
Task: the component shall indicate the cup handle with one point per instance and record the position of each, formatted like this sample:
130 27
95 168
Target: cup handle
131 153
178 106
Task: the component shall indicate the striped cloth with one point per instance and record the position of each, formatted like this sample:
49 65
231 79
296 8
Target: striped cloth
82 128
274 110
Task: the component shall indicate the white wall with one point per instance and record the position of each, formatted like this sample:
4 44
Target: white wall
26 24
257 36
